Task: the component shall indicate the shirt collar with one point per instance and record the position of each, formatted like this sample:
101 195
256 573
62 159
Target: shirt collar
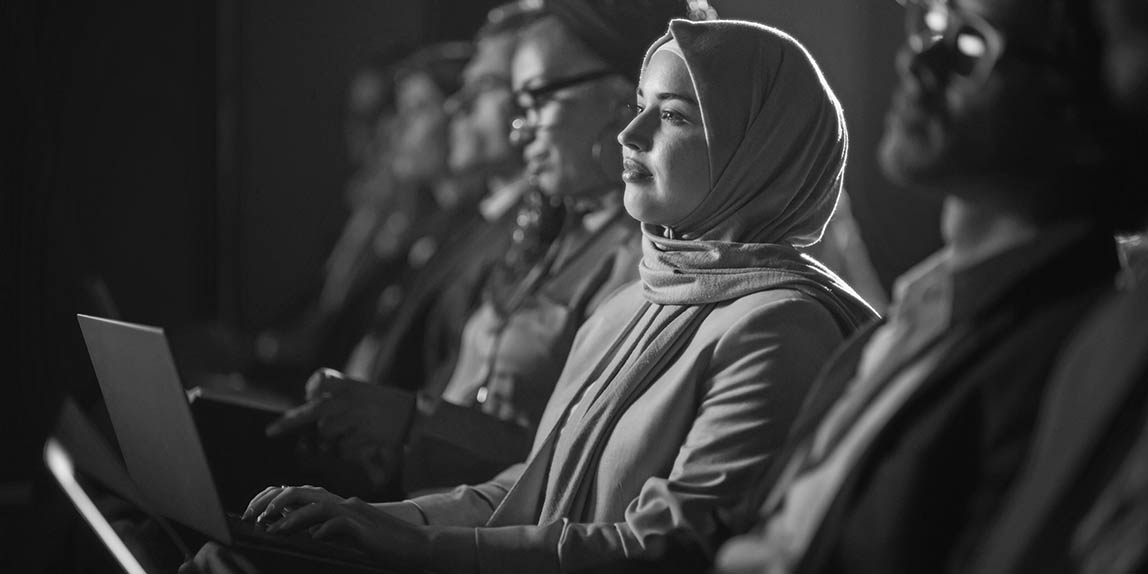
965 290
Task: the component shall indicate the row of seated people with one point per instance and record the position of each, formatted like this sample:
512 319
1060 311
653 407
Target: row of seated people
661 388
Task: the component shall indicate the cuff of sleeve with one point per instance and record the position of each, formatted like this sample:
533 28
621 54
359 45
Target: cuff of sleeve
454 549
518 548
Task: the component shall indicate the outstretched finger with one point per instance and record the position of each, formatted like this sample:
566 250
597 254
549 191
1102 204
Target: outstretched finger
295 418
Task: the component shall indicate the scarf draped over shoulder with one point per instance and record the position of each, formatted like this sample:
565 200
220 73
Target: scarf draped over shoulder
777 144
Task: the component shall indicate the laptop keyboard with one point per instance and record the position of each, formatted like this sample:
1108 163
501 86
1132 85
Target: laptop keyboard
299 542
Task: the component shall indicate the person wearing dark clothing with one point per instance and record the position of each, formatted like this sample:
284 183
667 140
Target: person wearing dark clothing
906 449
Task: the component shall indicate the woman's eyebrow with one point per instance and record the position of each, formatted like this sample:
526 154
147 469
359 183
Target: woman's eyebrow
664 96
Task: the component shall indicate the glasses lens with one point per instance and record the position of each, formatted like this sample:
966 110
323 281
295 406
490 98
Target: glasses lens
971 50
925 24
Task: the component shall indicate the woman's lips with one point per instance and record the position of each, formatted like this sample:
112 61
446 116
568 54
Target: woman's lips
635 172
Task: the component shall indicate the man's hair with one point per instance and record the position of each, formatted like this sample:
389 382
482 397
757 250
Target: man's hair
1078 47
510 18
442 63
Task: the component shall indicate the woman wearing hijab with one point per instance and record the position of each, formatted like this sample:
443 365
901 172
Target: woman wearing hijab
679 388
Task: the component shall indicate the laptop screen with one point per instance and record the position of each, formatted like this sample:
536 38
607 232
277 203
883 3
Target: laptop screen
153 423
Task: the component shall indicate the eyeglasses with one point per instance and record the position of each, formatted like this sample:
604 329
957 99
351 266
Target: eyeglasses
463 100
528 101
974 43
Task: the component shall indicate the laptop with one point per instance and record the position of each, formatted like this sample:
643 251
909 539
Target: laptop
161 446
76 450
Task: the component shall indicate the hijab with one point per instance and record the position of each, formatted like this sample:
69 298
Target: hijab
776 144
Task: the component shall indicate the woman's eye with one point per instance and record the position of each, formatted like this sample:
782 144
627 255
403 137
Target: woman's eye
673 117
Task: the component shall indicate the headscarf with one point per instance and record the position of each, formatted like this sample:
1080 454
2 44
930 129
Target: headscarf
777 154
618 31
777 145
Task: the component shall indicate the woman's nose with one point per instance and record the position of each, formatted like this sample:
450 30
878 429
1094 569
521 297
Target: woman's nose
634 135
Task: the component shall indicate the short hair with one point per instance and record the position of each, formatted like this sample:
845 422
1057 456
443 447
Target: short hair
442 63
1078 46
510 18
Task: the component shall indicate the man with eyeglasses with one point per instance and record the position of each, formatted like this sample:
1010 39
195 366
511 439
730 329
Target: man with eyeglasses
908 444
1081 500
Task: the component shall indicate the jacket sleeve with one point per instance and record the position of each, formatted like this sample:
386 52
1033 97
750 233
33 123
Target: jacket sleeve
465 505
754 380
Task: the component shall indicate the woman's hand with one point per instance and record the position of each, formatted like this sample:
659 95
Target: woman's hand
351 521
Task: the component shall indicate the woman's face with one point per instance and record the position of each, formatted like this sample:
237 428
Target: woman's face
664 151
419 146
569 139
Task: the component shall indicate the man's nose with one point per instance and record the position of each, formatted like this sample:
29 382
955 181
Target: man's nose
928 62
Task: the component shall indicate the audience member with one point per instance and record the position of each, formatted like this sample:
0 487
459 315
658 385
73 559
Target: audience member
1081 501
573 71
679 388
916 429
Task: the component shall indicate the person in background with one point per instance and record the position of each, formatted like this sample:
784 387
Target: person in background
680 387
404 208
906 450
394 196
573 71
1081 501
415 333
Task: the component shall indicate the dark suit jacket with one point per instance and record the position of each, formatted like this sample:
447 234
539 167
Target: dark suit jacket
1097 401
937 470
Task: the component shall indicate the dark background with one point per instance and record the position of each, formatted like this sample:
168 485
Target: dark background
190 155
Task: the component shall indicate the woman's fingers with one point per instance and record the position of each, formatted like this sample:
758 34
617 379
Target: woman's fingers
259 502
292 497
304 517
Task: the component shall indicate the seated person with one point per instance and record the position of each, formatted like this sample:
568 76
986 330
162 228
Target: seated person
680 387
1079 503
905 453
574 251
397 195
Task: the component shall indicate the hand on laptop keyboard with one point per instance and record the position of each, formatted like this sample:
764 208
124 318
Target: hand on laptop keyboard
328 517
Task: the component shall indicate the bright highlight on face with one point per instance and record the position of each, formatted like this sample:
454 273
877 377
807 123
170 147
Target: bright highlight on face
665 156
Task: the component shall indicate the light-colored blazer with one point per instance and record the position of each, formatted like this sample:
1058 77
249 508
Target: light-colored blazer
684 463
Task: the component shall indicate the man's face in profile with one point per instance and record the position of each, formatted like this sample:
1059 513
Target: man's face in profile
977 94
480 111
